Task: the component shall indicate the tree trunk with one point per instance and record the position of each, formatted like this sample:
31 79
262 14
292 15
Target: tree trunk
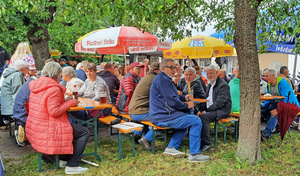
249 146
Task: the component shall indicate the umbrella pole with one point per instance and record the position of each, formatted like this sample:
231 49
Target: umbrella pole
125 60
111 58
295 67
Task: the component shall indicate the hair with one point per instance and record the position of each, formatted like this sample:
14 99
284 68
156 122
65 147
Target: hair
236 68
165 61
21 50
52 70
118 69
197 68
84 64
69 71
49 60
190 69
283 69
107 66
78 66
91 66
271 71
224 72
19 64
210 67
146 60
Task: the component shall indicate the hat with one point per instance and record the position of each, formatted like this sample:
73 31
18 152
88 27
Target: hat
135 64
99 68
62 59
154 66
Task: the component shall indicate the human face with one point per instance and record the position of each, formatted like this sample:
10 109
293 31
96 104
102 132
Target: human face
25 70
169 69
221 74
116 72
236 72
189 76
137 70
91 74
62 63
111 69
270 78
65 77
212 75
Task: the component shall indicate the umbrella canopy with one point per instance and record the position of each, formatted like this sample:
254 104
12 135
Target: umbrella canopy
199 47
286 114
54 52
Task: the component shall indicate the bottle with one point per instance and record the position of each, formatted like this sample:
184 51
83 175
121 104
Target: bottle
75 93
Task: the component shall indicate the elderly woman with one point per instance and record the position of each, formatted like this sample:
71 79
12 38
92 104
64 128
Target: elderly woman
93 86
69 75
47 127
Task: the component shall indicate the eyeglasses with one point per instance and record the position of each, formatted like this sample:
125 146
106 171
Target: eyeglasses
170 67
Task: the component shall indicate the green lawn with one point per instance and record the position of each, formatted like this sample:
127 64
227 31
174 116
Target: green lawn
280 158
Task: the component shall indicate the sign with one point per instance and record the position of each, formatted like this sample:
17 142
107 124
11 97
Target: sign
80 49
142 49
196 42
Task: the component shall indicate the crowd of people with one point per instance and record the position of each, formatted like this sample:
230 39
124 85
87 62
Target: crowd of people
161 93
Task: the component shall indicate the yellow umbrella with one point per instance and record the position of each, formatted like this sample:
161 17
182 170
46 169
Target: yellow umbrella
199 47
54 52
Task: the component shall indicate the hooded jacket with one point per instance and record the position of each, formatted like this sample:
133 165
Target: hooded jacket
13 80
48 128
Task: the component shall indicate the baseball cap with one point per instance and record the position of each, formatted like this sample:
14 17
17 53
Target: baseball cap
135 64
154 66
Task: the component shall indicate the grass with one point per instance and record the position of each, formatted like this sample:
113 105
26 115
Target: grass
279 158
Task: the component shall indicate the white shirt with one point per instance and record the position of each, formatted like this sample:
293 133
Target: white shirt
210 95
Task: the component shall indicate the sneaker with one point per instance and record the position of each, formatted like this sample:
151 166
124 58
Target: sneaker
21 134
21 144
145 143
170 151
198 158
205 148
75 170
265 136
62 163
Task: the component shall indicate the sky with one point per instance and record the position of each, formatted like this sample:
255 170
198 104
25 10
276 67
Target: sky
208 31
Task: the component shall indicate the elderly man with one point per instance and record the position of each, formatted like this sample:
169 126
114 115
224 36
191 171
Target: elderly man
235 71
222 74
13 80
218 107
193 79
168 110
179 77
139 104
127 86
277 87
284 73
81 71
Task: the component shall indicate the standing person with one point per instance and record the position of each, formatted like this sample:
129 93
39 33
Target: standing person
117 72
4 58
139 105
127 86
145 68
63 56
168 110
48 128
234 85
218 107
235 71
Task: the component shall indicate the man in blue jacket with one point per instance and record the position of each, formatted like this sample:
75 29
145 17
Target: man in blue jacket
168 110
277 87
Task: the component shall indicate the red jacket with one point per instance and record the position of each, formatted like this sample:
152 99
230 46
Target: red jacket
47 127
127 86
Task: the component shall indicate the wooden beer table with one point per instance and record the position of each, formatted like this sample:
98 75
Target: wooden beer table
271 97
88 104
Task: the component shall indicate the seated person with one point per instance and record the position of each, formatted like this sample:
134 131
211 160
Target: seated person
222 74
179 77
234 85
80 72
139 104
218 107
20 110
92 87
191 77
277 87
168 110
202 78
69 75
127 86
47 127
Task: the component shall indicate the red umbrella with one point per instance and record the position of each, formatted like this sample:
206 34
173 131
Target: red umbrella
286 114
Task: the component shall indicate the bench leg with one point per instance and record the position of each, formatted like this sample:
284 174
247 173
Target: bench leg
236 130
225 129
165 138
40 162
56 162
153 141
216 133
133 147
120 145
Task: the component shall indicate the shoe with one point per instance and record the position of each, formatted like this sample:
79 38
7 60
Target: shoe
75 170
136 138
62 163
264 136
145 143
21 144
198 158
205 148
170 151
21 134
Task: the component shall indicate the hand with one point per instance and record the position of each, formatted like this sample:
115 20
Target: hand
77 102
176 79
273 112
189 97
69 94
179 92
200 113
190 104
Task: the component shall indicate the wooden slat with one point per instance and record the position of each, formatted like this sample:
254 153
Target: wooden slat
107 119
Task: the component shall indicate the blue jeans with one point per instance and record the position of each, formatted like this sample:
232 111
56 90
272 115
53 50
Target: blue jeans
271 125
181 126
143 117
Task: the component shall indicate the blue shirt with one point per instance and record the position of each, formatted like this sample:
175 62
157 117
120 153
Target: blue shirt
81 74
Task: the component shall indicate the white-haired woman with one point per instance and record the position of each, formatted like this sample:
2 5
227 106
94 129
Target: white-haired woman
48 128
23 53
69 75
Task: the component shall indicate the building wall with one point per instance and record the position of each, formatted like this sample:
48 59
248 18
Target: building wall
272 60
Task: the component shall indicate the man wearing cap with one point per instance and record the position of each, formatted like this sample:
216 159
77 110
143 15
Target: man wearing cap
139 104
111 79
127 86
62 62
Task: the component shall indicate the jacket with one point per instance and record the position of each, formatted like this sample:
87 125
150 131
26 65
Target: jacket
4 56
48 128
13 80
111 80
165 103
221 99
127 86
234 85
139 103
283 89
81 74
